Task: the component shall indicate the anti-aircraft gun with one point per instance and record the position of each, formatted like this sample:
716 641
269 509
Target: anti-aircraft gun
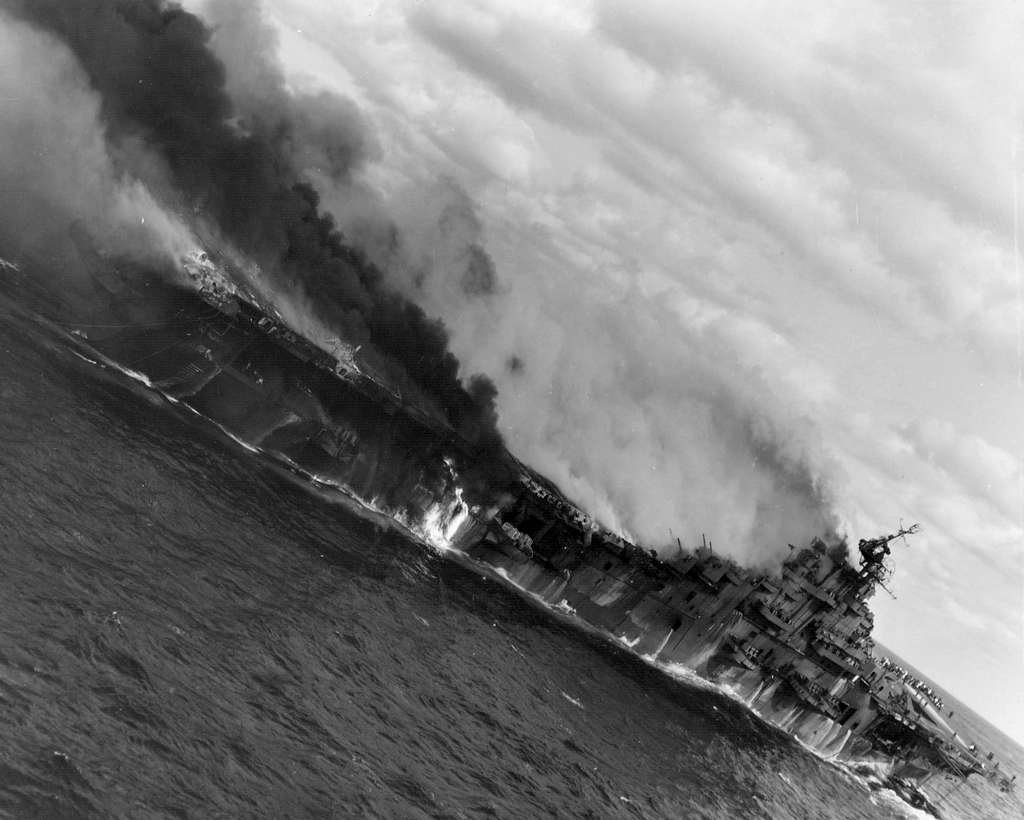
873 552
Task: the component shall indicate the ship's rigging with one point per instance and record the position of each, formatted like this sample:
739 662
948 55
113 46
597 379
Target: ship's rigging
873 552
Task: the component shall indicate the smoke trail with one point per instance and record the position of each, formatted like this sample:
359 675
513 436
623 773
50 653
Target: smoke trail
169 119
56 171
440 242
648 415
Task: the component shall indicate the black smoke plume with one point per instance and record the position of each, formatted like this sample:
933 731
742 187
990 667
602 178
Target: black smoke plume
163 89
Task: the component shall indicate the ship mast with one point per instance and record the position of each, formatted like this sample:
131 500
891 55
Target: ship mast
873 552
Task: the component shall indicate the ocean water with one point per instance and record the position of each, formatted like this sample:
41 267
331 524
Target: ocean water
189 631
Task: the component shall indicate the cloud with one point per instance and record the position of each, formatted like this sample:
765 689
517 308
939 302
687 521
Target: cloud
962 489
978 467
834 139
975 620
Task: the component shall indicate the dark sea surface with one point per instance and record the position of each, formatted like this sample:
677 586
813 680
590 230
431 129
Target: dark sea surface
188 631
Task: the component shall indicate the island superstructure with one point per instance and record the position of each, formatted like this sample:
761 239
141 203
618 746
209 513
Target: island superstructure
796 645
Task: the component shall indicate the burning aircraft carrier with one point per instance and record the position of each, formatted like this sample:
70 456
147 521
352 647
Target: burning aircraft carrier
796 646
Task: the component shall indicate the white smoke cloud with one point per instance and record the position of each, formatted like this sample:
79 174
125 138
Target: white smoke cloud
650 437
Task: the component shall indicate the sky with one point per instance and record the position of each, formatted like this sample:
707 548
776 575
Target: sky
756 269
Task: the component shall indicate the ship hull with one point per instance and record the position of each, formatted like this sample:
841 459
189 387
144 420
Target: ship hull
233 365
